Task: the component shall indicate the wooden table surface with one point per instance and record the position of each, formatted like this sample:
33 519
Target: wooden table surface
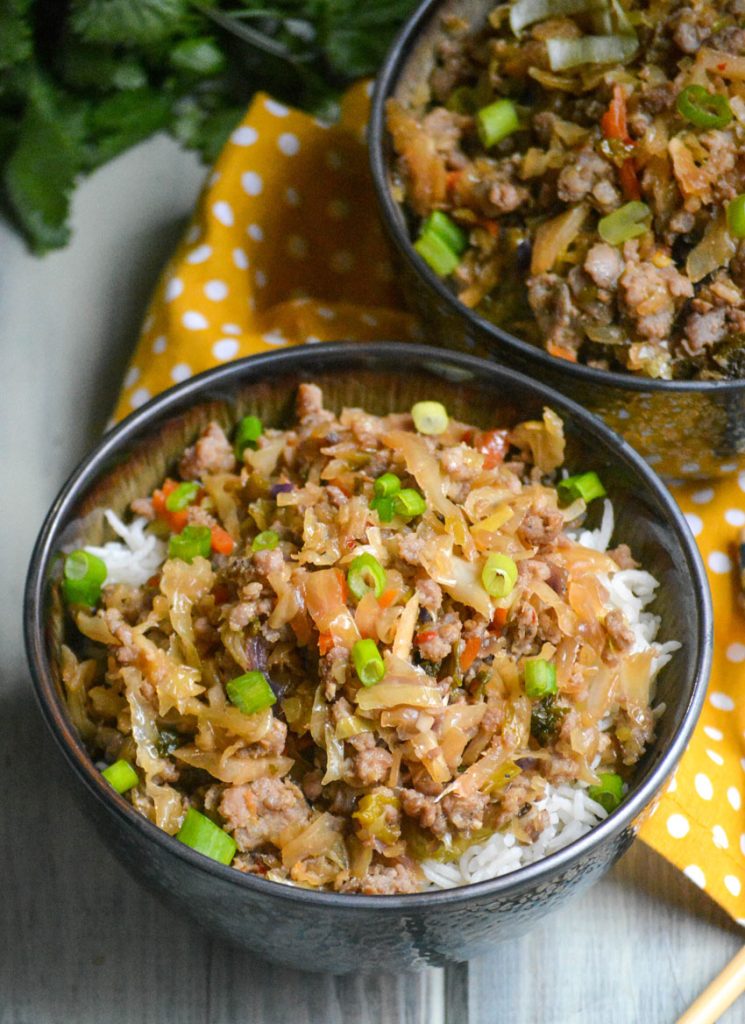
80 942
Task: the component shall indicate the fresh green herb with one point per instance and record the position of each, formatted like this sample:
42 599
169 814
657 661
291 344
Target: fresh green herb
83 577
609 792
85 80
251 692
545 720
365 574
206 837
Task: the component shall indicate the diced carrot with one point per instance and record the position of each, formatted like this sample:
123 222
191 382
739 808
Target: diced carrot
154 581
561 353
425 636
222 542
387 598
613 122
498 620
629 180
471 649
494 444
325 643
452 178
176 520
343 585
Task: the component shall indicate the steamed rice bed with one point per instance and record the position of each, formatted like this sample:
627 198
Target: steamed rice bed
340 691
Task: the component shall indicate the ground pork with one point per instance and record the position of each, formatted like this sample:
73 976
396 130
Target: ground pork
436 640
651 295
384 880
704 329
260 811
589 176
521 628
558 317
371 764
425 810
621 637
212 453
429 594
604 265
623 558
540 526
490 188
466 810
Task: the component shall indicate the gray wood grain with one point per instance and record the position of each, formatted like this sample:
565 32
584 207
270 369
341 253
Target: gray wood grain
80 942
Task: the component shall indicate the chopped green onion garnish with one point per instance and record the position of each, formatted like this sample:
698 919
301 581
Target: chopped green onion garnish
384 507
437 253
368 663
703 108
628 221
409 502
540 678
429 417
182 496
609 792
496 122
247 433
206 837
499 575
736 217
386 485
250 692
587 486
192 541
365 574
84 575
121 775
438 223
267 540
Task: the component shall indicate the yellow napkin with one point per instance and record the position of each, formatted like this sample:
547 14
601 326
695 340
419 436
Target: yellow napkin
286 247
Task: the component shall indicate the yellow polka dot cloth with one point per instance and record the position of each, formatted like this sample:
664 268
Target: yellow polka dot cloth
285 247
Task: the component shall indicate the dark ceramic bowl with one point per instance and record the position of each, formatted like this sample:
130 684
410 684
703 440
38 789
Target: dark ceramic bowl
682 428
319 930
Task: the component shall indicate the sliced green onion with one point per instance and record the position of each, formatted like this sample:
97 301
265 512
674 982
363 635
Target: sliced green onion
250 692
571 53
628 221
384 507
83 577
609 792
182 496
368 663
121 775
438 223
365 574
499 575
540 678
267 540
437 254
409 502
206 837
703 108
496 122
736 217
429 417
587 486
247 433
192 541
386 485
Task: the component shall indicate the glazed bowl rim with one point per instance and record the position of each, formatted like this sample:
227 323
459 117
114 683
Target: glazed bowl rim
385 84
321 358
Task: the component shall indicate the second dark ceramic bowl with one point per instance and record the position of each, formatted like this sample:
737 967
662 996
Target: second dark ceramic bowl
683 428
320 930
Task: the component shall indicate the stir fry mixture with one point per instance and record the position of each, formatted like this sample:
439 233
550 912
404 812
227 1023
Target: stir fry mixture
331 653
593 149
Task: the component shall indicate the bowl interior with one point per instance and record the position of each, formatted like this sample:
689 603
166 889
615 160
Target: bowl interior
132 460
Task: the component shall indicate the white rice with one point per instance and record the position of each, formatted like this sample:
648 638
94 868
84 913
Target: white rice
133 559
571 811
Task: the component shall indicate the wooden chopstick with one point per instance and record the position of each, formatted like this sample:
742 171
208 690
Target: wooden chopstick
722 992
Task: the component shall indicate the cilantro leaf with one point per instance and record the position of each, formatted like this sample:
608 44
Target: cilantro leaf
129 22
15 33
124 119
